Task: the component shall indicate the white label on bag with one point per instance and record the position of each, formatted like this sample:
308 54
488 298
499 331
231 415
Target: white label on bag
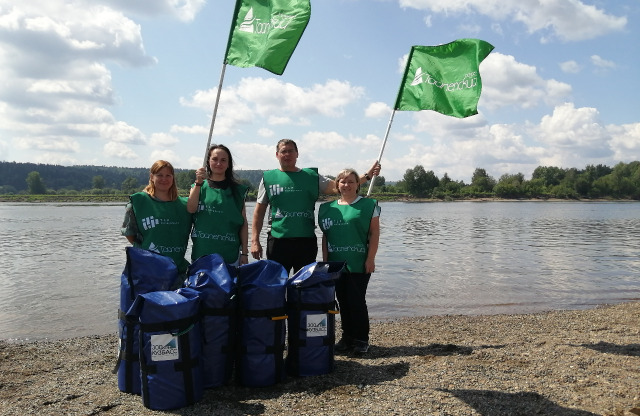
164 347
317 325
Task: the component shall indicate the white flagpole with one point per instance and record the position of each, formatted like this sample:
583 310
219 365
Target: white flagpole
384 142
213 117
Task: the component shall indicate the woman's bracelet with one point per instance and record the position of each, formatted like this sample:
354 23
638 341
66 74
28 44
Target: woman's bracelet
244 254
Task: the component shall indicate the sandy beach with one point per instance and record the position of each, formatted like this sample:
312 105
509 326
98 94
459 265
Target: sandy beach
573 363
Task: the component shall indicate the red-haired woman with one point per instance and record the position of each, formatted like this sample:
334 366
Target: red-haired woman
156 219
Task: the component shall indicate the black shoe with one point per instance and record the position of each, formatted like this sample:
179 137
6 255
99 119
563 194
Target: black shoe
343 345
361 347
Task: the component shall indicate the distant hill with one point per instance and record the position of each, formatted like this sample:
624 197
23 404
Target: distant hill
80 177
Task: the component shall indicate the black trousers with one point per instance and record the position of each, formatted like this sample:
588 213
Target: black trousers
292 253
351 291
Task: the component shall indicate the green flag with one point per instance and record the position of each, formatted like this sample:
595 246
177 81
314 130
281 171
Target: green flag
444 78
265 33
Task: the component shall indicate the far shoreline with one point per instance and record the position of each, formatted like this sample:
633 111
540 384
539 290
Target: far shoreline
95 199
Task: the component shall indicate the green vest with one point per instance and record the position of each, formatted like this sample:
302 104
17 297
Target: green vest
346 228
217 222
164 226
292 198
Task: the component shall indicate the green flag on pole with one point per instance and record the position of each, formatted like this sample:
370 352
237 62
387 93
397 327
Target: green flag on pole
444 78
264 33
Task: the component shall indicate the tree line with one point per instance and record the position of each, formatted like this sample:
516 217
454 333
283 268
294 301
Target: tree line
39 179
594 181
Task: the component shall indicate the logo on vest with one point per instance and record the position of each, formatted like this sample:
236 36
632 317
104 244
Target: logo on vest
327 223
164 347
211 236
275 190
164 249
317 326
358 248
150 222
209 209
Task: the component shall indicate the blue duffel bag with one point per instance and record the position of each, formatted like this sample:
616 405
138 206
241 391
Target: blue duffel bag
144 272
311 309
262 330
170 348
211 277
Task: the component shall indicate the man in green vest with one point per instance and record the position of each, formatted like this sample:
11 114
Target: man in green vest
291 194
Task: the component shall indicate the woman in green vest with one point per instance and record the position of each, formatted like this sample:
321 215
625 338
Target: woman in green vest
156 219
217 202
351 232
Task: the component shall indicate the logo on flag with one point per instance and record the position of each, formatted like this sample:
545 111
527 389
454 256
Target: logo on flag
444 78
265 33
417 78
247 24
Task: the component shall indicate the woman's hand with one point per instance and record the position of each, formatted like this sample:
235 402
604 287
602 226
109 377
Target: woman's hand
370 266
201 175
256 250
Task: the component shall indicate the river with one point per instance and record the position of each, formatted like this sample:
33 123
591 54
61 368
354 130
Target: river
61 263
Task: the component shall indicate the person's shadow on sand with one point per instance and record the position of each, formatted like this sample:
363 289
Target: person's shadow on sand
437 350
498 403
632 350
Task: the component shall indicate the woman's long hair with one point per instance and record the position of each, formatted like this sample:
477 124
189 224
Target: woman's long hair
155 168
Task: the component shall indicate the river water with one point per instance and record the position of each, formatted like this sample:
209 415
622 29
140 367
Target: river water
60 264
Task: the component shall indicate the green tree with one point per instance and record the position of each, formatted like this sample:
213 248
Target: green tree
35 184
419 182
510 186
130 185
8 189
414 180
184 179
98 182
481 181
551 175
378 185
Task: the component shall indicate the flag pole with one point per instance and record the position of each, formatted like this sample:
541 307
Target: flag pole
384 142
213 117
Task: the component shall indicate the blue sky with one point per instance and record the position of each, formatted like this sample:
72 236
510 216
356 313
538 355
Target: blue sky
124 83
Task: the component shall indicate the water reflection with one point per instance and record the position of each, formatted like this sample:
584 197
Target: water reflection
61 264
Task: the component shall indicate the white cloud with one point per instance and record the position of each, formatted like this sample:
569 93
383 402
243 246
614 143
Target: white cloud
164 154
568 20
378 109
254 155
163 139
119 151
265 132
121 132
53 143
600 63
198 130
55 53
185 10
508 83
571 67
274 100
625 141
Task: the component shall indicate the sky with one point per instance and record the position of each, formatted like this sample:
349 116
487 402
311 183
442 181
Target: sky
125 83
